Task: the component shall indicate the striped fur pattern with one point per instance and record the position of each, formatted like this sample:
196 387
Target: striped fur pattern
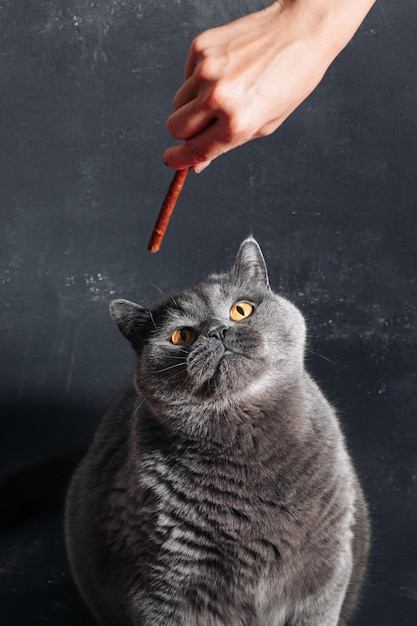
218 490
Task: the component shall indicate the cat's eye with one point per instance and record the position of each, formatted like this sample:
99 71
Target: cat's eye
240 311
183 336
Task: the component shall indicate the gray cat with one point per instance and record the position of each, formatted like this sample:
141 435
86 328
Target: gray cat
219 491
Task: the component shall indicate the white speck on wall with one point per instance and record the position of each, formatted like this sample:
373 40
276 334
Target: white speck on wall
98 286
69 281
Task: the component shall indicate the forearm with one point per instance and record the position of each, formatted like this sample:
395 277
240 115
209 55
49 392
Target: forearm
334 21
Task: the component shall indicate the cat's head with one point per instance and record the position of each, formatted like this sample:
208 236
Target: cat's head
228 339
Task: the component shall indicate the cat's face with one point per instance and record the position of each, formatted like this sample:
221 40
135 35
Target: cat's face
225 339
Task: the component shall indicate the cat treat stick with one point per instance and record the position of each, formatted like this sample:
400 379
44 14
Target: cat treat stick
167 209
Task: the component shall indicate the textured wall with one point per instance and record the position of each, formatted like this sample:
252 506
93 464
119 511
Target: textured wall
85 89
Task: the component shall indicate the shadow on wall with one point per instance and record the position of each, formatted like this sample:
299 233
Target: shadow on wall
39 453
43 428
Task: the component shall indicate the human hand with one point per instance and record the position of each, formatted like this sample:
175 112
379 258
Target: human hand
245 78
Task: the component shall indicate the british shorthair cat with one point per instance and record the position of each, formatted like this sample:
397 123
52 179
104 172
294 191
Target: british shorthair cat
218 490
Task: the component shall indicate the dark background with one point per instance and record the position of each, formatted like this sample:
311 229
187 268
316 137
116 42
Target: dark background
85 90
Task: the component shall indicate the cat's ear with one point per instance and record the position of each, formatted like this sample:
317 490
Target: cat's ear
250 264
131 319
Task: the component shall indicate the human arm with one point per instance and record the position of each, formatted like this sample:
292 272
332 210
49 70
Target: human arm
243 79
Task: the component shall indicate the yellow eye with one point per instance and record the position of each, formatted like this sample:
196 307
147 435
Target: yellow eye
182 336
240 311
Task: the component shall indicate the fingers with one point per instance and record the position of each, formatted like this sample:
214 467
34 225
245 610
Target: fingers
200 149
188 91
189 120
190 63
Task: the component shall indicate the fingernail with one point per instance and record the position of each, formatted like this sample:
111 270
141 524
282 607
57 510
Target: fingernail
201 167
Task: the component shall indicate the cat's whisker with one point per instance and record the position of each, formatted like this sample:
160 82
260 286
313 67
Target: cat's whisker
156 287
174 301
136 411
152 319
322 356
140 340
170 367
295 325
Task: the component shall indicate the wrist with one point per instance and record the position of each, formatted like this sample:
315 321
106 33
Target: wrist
333 23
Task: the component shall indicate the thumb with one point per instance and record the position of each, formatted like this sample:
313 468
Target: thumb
198 151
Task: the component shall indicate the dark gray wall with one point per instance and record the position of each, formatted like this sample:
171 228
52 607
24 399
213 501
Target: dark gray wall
85 90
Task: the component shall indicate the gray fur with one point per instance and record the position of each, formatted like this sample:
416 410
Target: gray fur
218 491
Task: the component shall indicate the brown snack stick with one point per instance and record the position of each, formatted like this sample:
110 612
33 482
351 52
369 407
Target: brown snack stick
167 209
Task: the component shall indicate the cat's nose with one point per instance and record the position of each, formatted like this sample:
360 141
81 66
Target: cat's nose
217 330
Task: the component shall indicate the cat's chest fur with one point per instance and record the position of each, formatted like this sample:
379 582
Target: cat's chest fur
242 524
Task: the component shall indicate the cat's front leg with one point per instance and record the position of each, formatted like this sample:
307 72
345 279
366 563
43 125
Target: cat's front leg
318 618
322 609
